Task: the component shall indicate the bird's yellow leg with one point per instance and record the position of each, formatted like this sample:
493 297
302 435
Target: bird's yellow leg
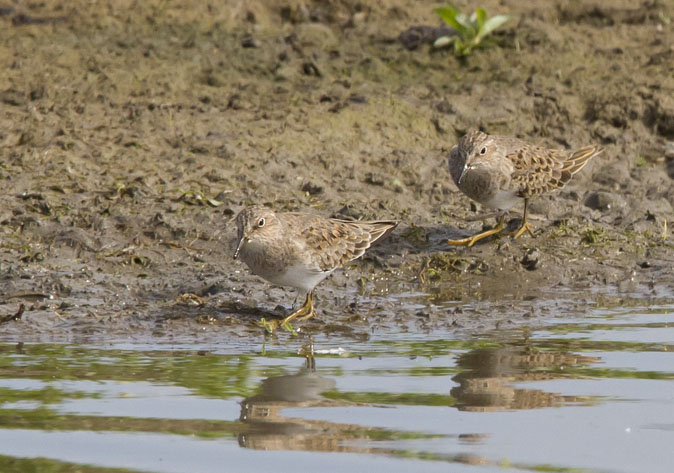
305 312
470 241
525 226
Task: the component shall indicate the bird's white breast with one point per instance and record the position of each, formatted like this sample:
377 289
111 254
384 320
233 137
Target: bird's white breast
272 266
299 277
502 200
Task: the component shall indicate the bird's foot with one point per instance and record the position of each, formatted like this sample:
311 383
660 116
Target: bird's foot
470 241
303 313
525 227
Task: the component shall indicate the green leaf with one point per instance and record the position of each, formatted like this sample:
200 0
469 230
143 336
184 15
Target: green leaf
470 30
289 328
492 24
481 16
464 21
448 15
268 326
444 41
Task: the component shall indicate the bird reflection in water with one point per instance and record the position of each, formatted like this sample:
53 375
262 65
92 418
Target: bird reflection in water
487 380
268 429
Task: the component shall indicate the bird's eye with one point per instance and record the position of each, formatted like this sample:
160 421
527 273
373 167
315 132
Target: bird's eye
483 150
260 223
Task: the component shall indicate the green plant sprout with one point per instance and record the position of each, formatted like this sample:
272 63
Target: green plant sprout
271 325
471 32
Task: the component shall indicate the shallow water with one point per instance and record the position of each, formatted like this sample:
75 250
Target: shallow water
595 393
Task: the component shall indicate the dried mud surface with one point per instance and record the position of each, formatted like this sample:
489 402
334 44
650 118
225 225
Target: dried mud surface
132 132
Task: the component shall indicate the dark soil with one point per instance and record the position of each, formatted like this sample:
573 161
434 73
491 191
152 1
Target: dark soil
132 132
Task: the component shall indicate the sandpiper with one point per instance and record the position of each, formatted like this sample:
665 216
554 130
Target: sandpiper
300 249
500 171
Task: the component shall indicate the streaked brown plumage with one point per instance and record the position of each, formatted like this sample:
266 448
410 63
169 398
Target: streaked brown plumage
500 171
299 249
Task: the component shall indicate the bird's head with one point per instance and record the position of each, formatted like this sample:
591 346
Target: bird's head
254 224
474 147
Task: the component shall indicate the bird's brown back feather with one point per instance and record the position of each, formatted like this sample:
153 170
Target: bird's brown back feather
541 170
336 242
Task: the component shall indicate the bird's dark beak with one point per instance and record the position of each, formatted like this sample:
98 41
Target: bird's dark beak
242 240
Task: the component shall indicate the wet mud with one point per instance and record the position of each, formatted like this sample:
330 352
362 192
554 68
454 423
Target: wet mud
132 133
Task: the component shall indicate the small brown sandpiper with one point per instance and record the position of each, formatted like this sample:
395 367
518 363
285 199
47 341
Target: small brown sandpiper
500 171
300 249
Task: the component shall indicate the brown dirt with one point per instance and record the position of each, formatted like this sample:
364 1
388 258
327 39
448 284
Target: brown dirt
132 132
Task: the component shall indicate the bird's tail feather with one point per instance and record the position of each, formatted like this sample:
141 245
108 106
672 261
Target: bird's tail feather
579 158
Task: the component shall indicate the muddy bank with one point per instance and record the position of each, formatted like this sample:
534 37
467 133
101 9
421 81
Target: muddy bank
130 135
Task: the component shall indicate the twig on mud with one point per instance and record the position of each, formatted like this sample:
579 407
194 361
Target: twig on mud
172 244
16 316
131 251
190 250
